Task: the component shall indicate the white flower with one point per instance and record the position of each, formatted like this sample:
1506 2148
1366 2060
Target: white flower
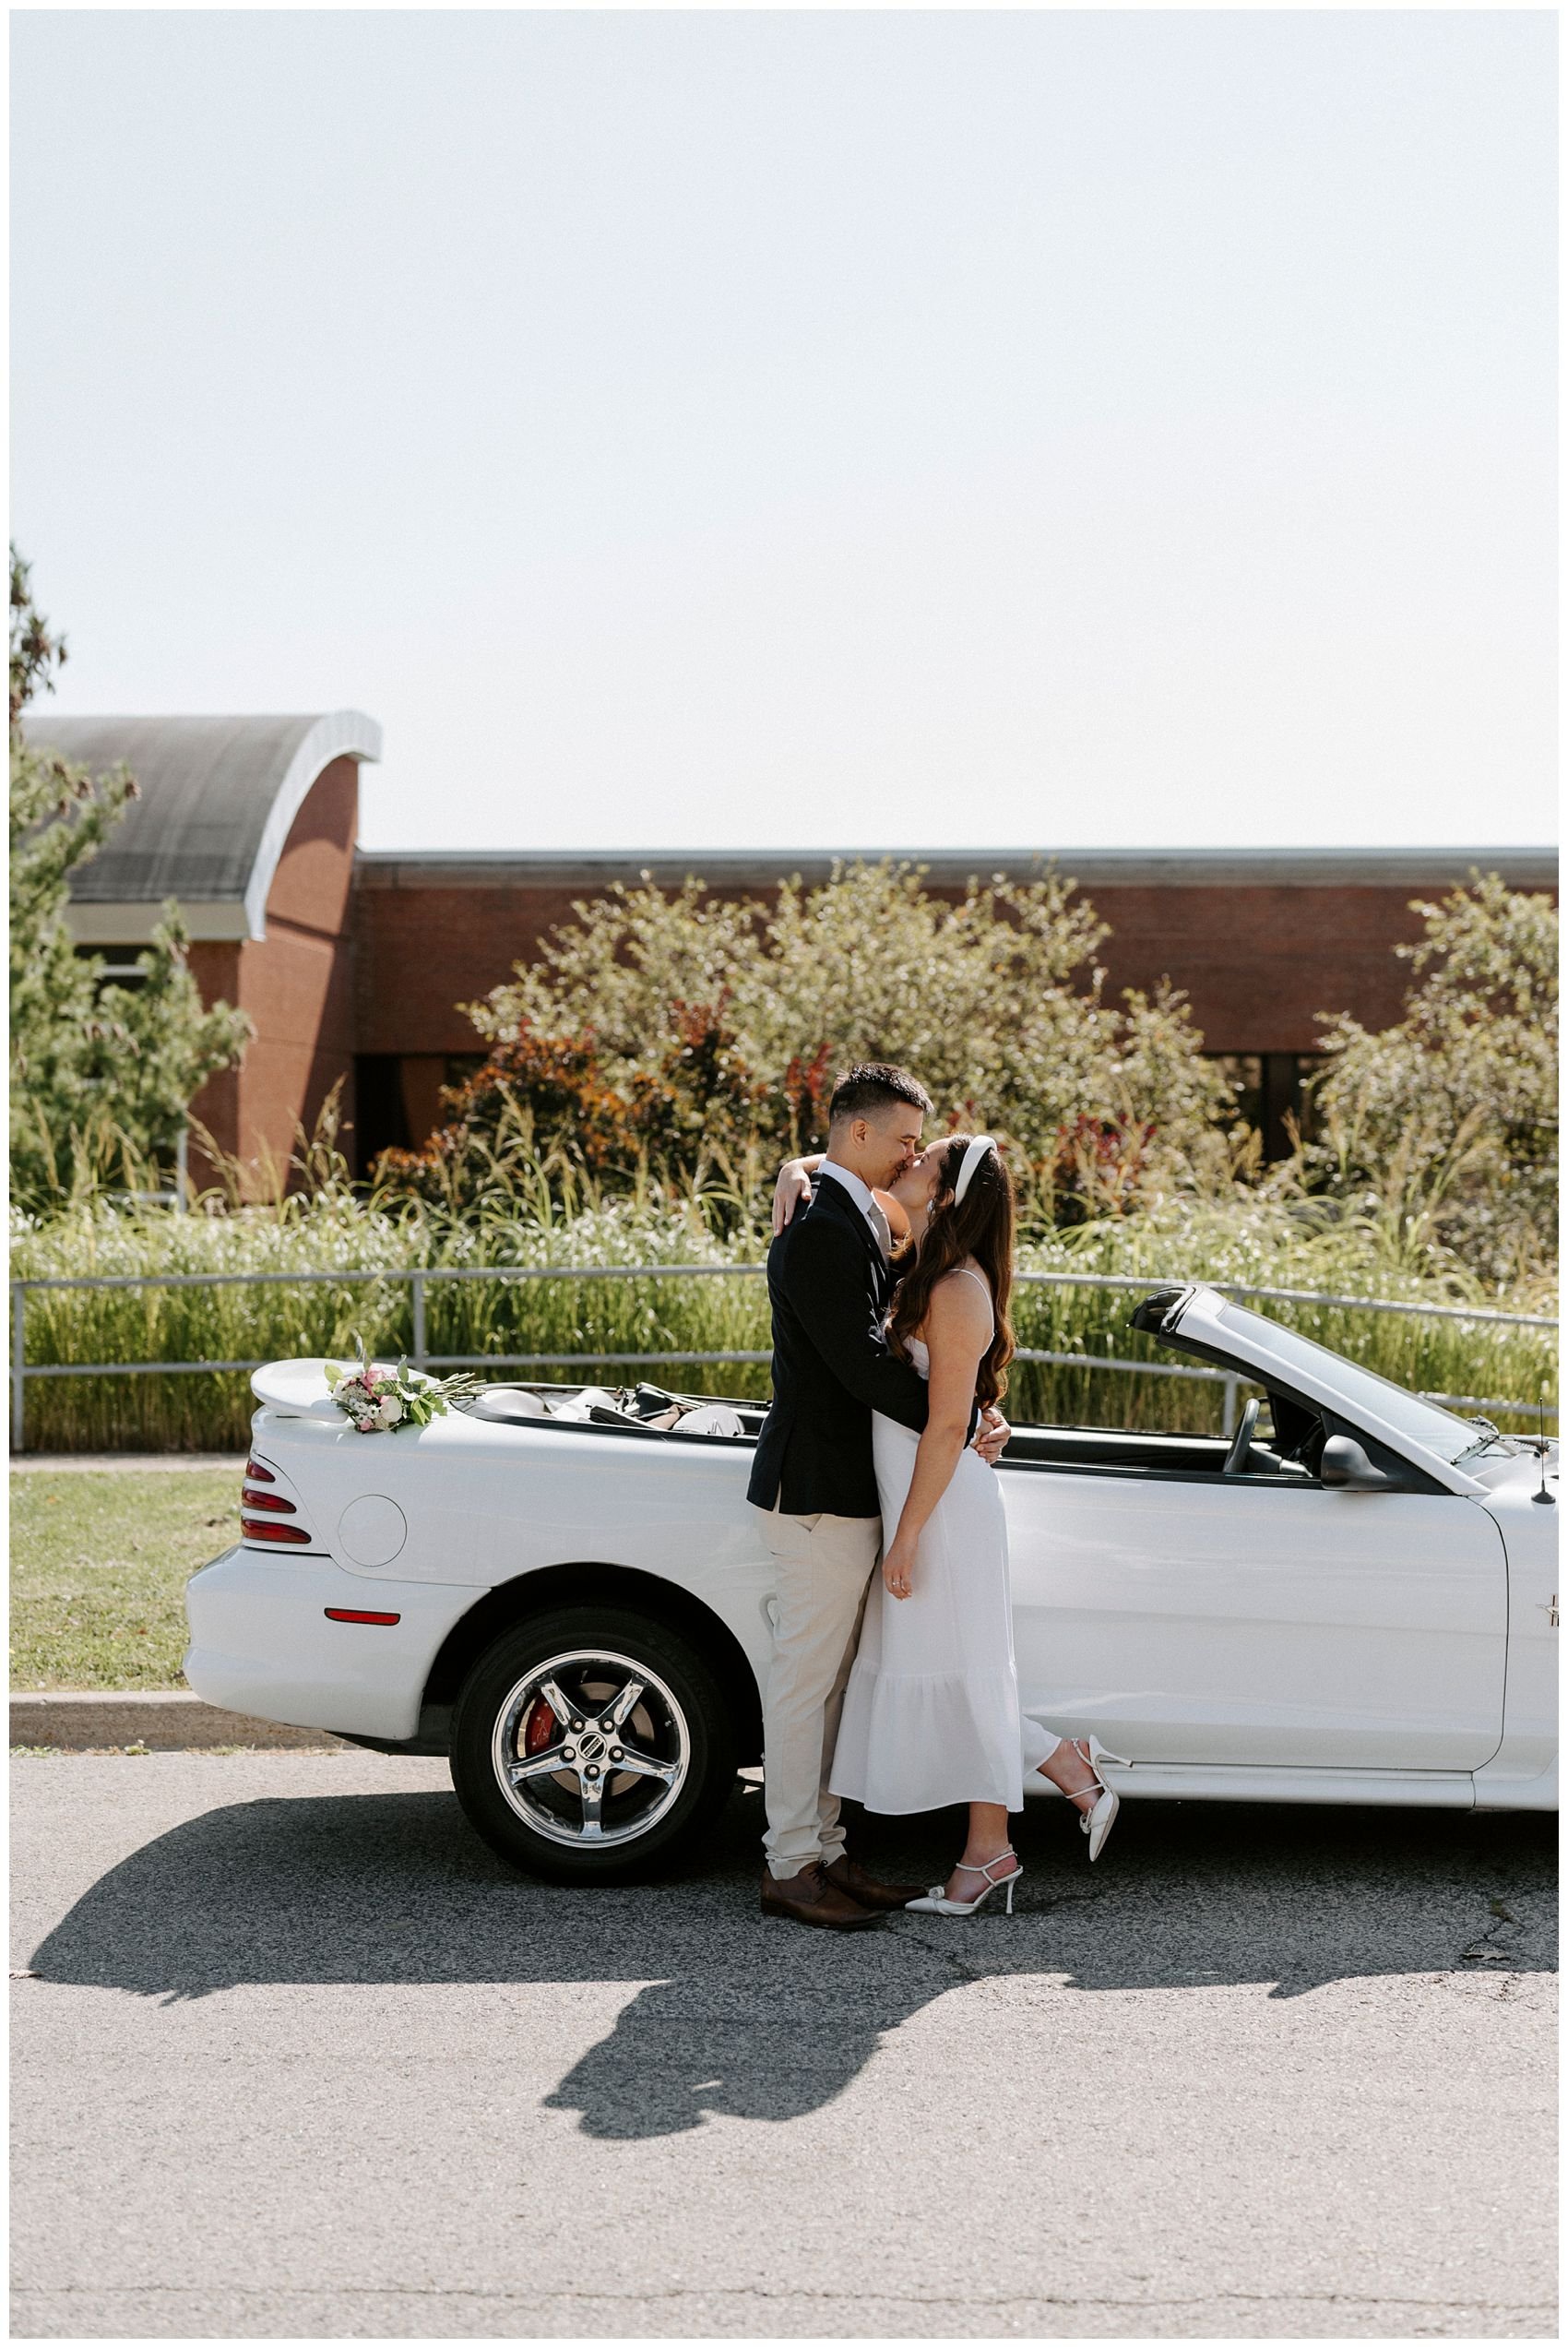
388 1411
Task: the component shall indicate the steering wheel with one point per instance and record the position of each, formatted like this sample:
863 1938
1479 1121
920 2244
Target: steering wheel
1236 1458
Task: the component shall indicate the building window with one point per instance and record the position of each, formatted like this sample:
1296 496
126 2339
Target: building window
1271 1092
120 967
398 1098
380 1120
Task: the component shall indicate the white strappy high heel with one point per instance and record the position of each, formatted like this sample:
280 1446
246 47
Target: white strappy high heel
1096 1823
936 1902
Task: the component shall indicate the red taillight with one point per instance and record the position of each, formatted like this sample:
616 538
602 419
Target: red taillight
271 1501
351 1615
263 1529
257 1473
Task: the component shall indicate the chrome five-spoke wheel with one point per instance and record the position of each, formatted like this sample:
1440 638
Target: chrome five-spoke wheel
594 1742
592 1746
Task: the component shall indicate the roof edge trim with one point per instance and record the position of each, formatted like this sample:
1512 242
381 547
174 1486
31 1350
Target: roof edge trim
342 733
1092 868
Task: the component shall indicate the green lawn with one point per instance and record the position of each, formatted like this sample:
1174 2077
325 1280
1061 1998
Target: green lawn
98 1566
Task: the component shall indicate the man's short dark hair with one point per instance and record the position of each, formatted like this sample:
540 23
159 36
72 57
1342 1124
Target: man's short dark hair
873 1085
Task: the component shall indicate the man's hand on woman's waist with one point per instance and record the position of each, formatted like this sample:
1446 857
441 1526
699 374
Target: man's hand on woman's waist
991 1435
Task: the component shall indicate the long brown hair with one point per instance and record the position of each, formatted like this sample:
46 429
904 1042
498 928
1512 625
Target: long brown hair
979 1225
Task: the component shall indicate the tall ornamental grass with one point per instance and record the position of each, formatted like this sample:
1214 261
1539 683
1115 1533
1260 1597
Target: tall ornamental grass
1262 1244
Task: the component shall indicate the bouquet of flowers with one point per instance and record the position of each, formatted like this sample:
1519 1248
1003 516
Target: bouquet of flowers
378 1400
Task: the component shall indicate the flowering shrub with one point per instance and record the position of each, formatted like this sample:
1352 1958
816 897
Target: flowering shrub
697 1104
669 1035
1445 1125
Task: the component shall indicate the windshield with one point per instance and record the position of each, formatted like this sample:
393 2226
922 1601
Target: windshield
1426 1423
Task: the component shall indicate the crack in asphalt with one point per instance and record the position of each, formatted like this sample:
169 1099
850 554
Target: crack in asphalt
531 2292
1494 1944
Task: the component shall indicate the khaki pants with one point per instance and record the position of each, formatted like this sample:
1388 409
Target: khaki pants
824 1566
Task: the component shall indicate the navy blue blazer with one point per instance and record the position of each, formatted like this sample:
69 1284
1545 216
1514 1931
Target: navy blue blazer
830 1289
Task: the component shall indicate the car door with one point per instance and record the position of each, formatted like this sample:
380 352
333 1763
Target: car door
1195 1618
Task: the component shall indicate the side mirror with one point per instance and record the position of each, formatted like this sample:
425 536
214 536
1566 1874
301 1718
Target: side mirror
1347 1468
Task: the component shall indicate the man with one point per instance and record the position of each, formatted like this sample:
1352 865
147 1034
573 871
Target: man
813 1485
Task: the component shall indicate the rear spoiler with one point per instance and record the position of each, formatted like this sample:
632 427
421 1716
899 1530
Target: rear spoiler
297 1390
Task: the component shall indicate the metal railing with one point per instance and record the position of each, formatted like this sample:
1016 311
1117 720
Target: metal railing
419 1277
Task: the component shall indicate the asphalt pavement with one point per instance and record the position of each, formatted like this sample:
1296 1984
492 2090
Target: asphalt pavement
294 2055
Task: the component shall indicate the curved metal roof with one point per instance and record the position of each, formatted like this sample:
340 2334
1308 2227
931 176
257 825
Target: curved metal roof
217 798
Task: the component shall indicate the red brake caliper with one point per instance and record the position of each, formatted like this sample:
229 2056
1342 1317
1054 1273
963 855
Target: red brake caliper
541 1728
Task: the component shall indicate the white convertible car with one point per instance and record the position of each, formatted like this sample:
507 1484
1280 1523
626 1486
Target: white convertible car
1353 1601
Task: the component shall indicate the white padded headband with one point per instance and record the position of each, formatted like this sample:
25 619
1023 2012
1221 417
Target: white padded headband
975 1151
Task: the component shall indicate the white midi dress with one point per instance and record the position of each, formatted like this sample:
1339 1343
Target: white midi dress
931 1712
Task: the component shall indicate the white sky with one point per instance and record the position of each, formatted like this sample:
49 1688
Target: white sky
808 429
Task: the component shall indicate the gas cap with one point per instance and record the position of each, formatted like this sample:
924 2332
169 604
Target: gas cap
373 1530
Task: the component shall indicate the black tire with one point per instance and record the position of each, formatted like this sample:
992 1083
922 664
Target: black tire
682 1726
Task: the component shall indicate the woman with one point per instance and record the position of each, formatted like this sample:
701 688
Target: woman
931 1714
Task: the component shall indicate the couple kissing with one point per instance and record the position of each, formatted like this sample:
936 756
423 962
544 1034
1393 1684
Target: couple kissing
889 1277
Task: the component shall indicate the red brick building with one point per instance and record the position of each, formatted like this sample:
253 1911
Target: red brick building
353 963
251 824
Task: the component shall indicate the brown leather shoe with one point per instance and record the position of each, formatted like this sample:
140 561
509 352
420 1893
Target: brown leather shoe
852 1878
810 1899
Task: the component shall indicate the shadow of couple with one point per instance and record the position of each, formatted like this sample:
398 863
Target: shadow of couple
740 2015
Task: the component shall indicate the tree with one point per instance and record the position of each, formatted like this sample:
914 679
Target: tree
1448 1120
100 1075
